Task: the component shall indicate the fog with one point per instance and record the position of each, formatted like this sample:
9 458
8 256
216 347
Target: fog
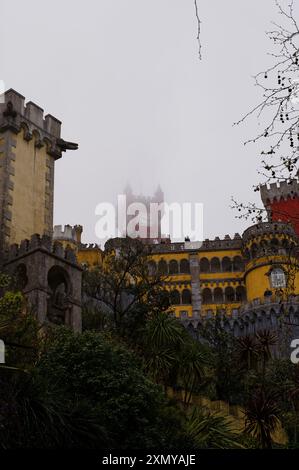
125 79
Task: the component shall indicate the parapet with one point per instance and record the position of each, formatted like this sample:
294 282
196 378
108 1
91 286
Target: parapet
279 191
269 228
42 243
16 115
89 246
227 243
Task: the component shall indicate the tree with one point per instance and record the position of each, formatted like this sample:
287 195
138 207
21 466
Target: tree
228 373
266 339
124 287
164 336
279 104
262 417
247 351
94 369
211 431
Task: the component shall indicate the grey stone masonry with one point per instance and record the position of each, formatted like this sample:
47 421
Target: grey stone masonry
50 278
279 191
16 115
195 284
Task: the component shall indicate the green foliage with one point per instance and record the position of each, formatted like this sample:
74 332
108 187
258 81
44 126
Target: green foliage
209 431
18 330
262 417
92 368
125 287
33 414
228 371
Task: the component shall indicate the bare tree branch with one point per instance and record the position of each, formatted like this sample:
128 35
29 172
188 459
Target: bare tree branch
278 110
198 29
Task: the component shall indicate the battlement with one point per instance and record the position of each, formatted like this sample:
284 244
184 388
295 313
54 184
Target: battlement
68 233
223 244
157 197
269 228
89 246
43 243
15 115
279 191
227 243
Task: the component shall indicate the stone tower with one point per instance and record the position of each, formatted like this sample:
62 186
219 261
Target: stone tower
46 271
29 146
150 225
282 202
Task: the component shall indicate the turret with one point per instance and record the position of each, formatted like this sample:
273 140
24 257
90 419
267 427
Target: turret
282 202
29 146
269 249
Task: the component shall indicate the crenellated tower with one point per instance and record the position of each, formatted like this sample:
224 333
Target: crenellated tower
29 146
269 250
281 200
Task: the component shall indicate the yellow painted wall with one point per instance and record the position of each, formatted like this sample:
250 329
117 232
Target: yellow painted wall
257 281
28 196
89 257
220 254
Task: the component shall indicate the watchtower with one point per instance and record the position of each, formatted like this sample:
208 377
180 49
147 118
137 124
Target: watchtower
29 146
282 202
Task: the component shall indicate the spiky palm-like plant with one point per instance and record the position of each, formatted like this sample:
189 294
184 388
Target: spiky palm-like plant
193 369
262 417
266 339
210 431
247 351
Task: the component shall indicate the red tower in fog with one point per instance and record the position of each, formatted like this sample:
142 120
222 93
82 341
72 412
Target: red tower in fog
282 202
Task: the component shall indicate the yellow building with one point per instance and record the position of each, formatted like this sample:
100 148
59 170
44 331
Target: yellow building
225 275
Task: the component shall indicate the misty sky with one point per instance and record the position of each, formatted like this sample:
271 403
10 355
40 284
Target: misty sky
124 78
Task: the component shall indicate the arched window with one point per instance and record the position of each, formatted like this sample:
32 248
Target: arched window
264 244
60 288
207 296
254 250
218 295
20 276
268 293
229 294
226 264
285 247
184 266
274 246
173 267
186 296
162 267
204 265
241 294
152 268
278 278
215 265
175 298
238 264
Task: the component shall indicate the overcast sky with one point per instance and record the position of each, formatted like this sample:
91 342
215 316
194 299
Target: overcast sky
125 79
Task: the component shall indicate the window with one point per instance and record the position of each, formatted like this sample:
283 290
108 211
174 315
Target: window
278 278
175 298
186 296
173 267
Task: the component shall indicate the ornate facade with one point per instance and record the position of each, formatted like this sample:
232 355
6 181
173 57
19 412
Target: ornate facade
248 280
